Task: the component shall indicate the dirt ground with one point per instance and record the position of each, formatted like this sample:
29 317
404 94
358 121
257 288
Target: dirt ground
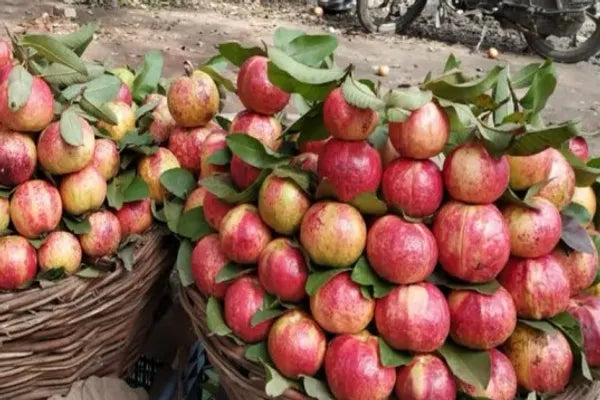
127 33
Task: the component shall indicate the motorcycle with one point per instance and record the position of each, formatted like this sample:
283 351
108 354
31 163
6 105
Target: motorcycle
563 30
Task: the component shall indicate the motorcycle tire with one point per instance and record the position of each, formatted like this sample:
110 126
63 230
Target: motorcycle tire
366 19
582 53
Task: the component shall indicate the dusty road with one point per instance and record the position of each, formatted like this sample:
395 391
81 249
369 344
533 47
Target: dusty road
126 34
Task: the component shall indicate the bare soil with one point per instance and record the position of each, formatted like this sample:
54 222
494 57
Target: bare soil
192 33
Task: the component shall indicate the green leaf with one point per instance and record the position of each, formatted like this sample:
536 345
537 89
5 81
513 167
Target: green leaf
502 95
509 196
569 325
70 128
397 114
220 157
379 137
411 98
276 384
116 188
146 108
391 357
310 125
311 49
19 87
451 63
173 210
89 272
585 175
254 152
265 315
524 77
193 225
218 78
440 278
531 396
465 91
289 84
37 243
183 263
257 352
133 139
125 254
301 72
222 187
325 190
317 279
102 89
77 227
223 122
316 388
136 190
79 40
359 95
585 368
214 318
542 87
472 367
54 51
53 274
543 326
178 181
369 203
97 110
284 36
533 191
363 274
577 211
496 139
147 79
232 271
575 236
537 140
58 74
236 54
301 178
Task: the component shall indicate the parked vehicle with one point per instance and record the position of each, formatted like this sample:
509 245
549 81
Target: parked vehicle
563 30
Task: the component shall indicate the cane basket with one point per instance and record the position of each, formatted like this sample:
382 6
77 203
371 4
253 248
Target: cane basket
245 380
51 337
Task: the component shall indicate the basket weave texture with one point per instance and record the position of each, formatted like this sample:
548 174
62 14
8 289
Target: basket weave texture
245 380
51 337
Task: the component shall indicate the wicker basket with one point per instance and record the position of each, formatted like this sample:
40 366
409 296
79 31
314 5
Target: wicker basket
245 380
51 337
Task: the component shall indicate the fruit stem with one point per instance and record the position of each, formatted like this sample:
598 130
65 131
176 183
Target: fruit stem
188 67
